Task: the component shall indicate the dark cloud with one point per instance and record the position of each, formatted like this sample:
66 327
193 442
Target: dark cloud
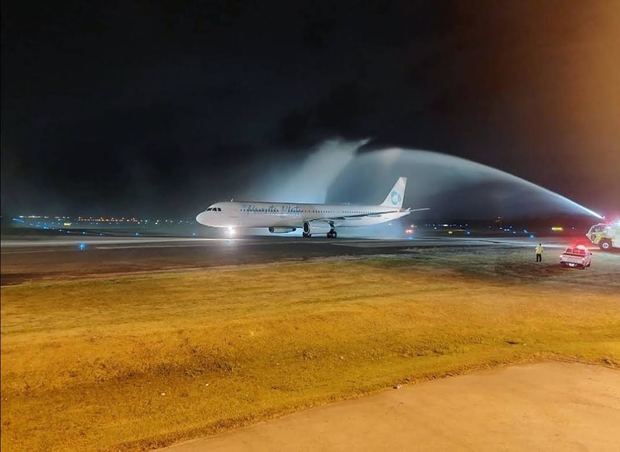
163 106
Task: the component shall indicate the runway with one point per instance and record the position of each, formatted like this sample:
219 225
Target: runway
46 244
28 258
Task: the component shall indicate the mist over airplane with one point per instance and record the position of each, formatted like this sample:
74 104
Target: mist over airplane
312 218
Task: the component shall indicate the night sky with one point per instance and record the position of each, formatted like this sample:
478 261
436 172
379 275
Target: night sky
142 107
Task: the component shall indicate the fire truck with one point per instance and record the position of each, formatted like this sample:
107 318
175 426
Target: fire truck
606 236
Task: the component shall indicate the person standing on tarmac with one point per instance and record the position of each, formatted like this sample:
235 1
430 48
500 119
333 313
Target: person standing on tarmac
539 251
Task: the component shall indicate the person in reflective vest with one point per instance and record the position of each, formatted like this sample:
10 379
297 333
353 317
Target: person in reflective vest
539 252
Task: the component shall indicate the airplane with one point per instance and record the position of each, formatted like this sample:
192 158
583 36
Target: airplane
312 218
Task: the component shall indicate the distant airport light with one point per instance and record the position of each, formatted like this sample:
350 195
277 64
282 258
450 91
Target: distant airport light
409 231
231 231
82 246
557 228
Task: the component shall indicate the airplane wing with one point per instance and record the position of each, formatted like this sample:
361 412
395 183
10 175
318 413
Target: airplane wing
362 215
344 217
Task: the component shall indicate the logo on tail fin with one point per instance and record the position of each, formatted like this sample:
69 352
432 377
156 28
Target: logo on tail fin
396 195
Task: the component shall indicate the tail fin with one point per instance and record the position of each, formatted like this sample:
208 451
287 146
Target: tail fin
396 195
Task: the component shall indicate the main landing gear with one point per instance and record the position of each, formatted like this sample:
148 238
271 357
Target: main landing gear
332 231
307 232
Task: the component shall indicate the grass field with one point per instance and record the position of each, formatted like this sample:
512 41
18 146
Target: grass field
140 361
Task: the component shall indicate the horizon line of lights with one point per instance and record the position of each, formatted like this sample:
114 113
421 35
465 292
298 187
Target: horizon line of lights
102 219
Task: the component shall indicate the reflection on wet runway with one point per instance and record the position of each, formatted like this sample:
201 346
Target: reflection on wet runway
44 257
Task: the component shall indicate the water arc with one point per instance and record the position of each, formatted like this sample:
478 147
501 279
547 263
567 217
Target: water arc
452 186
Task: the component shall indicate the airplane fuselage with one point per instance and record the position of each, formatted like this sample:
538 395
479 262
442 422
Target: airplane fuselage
313 218
294 215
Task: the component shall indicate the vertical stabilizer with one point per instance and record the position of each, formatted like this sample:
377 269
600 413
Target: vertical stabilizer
397 194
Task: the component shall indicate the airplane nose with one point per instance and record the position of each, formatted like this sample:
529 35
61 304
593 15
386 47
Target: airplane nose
202 218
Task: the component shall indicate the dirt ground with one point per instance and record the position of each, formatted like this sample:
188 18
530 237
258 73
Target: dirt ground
549 406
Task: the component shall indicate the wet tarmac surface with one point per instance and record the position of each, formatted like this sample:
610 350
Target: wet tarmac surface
45 257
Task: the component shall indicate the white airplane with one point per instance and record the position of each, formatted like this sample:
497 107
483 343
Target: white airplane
313 218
